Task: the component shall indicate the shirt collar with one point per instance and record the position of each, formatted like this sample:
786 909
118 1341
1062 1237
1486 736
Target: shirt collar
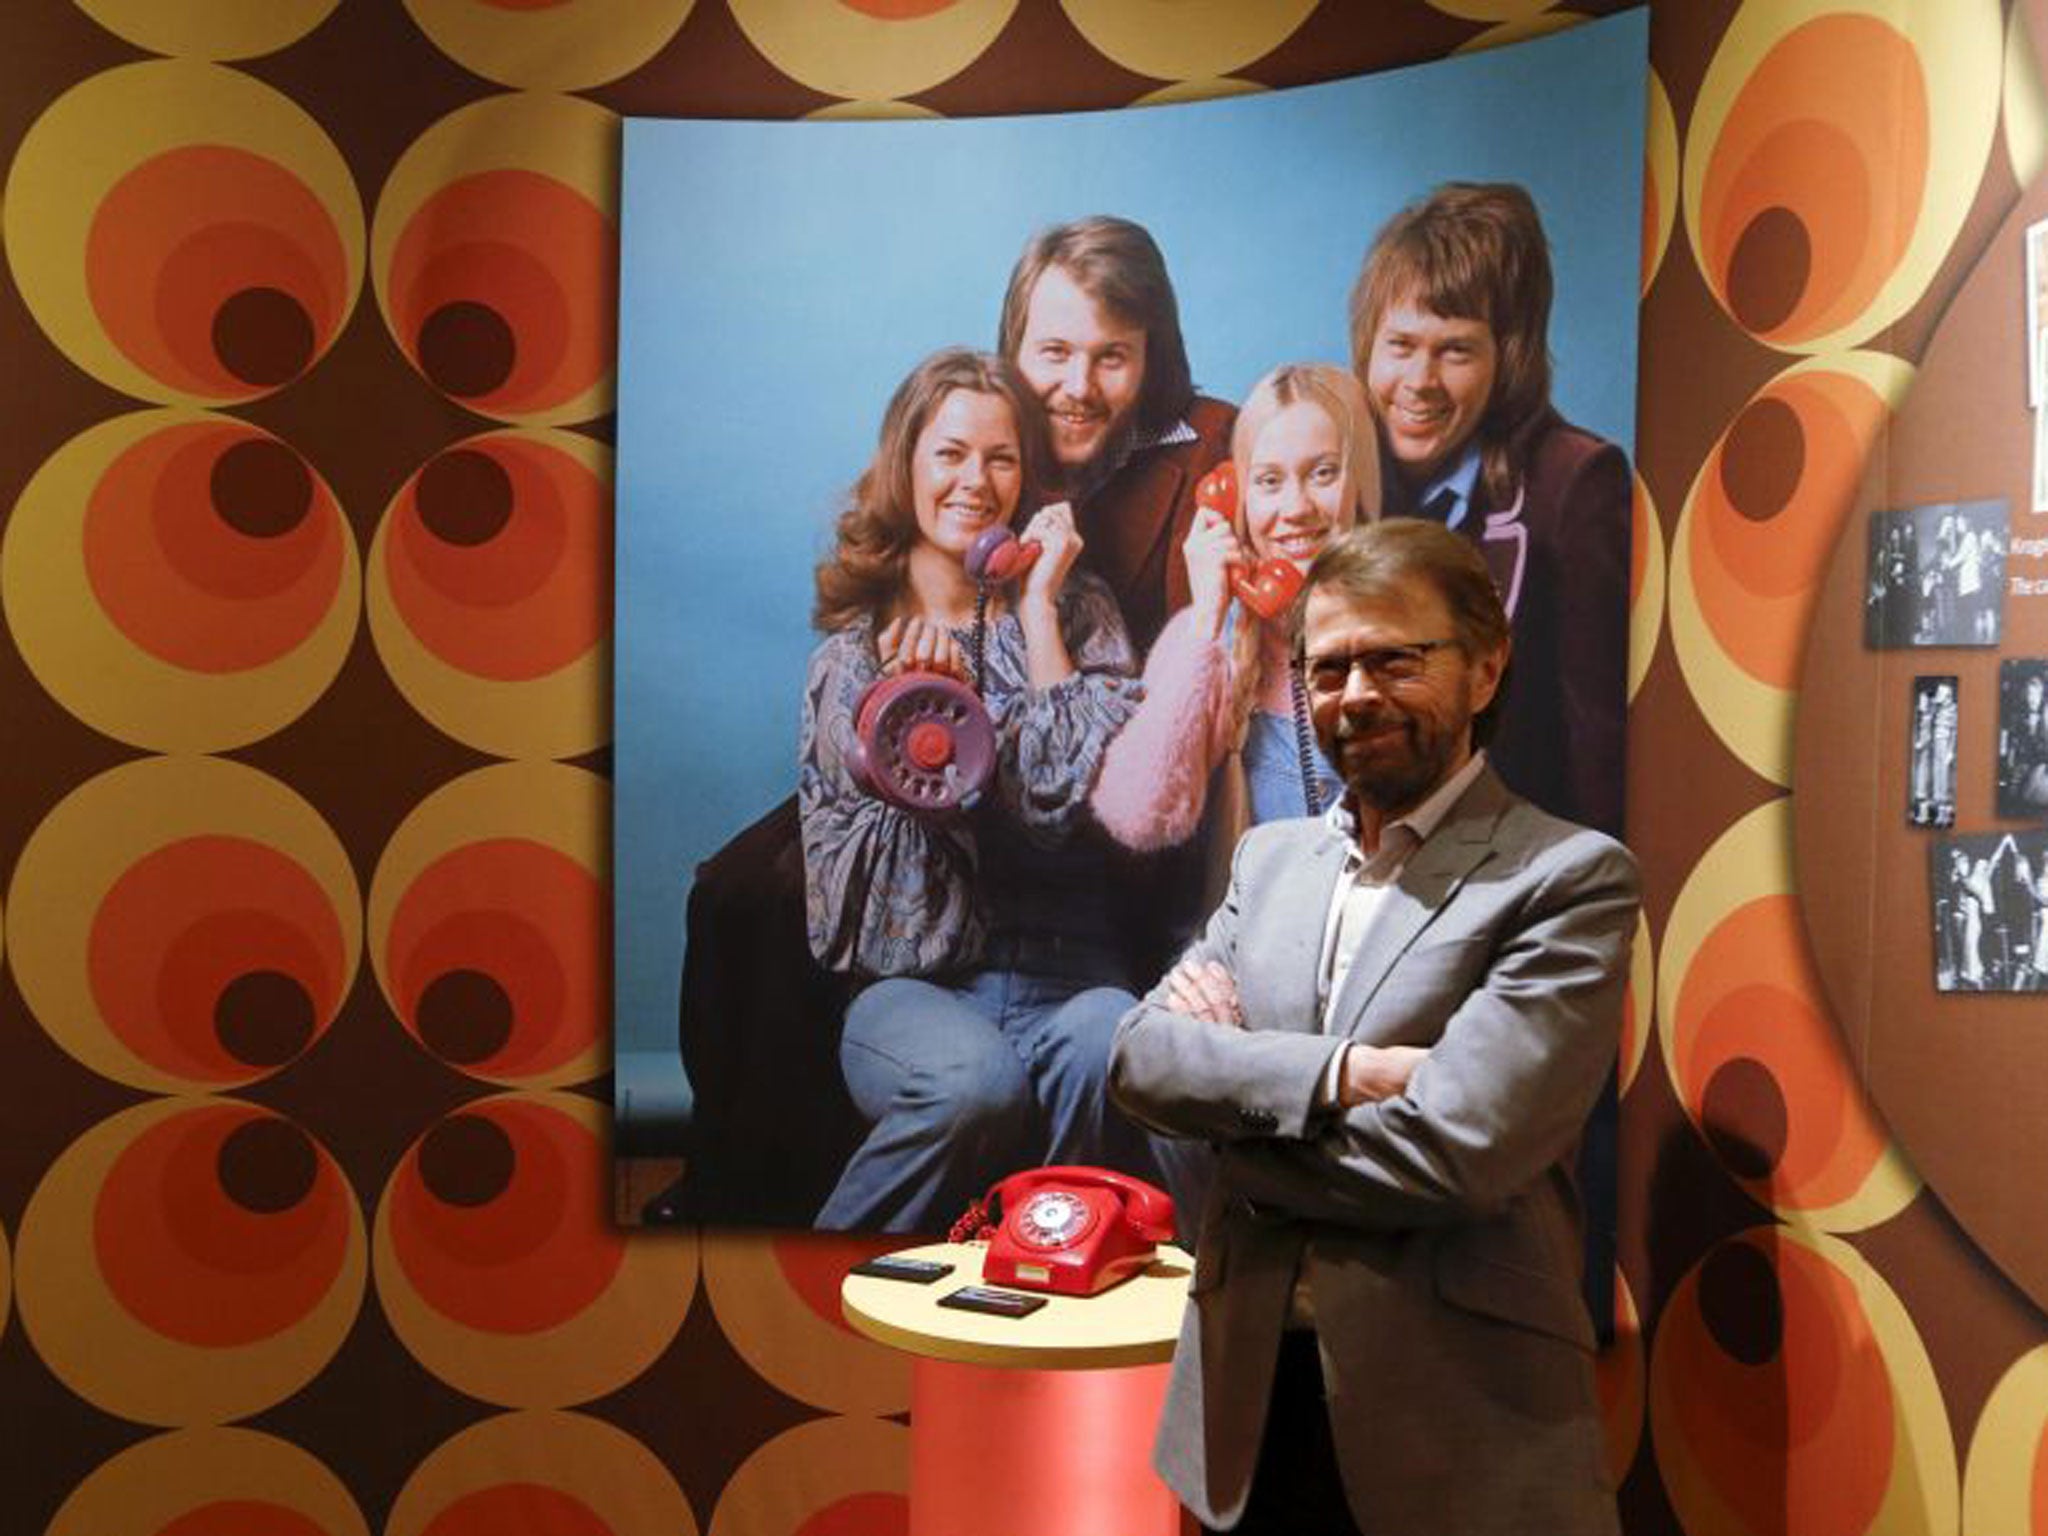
1458 479
1421 822
1177 431
1136 442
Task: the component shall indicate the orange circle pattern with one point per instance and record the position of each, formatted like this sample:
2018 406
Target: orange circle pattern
1768 506
830 1477
777 1298
491 926
249 544
202 294
489 591
210 1482
498 1266
495 254
181 580
1754 538
1759 1065
1790 1397
184 233
1750 1051
184 924
190 1261
497 556
550 1474
1797 235
1739 1388
478 1214
489 279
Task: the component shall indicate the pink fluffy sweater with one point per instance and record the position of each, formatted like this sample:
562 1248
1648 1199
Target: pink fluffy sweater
1155 774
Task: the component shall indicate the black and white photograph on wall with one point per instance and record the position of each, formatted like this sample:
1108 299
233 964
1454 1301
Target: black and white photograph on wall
1935 576
2023 737
1931 769
1990 903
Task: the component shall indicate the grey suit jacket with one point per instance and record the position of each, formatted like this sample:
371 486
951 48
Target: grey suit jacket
1439 1230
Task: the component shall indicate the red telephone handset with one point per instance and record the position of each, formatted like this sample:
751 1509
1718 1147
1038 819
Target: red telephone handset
1074 1231
1268 587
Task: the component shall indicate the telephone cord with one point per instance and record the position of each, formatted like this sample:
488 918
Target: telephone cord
1304 744
979 645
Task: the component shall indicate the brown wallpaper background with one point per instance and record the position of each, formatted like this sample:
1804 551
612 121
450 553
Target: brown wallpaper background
305 323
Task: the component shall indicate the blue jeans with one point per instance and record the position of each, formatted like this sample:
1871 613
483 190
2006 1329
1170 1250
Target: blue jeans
966 1084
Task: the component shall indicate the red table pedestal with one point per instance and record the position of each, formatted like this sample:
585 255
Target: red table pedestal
999 1451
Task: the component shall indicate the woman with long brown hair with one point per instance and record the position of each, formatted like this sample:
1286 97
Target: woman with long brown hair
982 1041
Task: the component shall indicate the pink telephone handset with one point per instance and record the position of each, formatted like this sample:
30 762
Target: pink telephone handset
998 555
1267 587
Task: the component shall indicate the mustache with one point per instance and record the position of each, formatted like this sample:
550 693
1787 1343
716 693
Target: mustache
1349 728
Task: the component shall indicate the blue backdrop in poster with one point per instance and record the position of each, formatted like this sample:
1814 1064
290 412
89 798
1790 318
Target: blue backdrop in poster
779 279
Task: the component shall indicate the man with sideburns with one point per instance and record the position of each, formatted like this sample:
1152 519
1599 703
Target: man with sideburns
1091 321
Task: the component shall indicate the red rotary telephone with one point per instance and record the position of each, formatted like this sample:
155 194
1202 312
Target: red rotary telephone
1074 1231
1266 587
923 741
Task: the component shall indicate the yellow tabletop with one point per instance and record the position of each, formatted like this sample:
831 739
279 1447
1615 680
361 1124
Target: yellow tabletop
1135 1323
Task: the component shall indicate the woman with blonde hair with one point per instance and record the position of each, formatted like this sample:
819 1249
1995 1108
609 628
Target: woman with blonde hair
1220 688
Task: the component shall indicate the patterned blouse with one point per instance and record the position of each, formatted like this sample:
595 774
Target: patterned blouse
890 892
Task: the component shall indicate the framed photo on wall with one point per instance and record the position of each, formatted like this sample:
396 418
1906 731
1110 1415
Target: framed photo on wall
783 282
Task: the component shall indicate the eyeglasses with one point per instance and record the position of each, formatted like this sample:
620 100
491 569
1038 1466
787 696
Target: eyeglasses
1389 666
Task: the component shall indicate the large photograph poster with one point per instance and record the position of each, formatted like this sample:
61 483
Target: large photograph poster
779 281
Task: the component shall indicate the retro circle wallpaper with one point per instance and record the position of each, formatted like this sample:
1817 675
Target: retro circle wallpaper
307 317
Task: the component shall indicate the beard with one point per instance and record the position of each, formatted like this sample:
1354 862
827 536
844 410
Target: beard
1392 761
1081 481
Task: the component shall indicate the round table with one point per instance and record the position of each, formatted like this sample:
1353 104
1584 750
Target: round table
1033 1426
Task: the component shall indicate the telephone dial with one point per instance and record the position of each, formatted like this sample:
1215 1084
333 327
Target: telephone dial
923 741
1072 1231
1267 587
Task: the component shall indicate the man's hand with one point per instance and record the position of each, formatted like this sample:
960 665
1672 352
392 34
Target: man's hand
1204 990
1375 1072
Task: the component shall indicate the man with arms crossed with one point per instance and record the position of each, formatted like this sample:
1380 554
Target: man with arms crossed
1393 1029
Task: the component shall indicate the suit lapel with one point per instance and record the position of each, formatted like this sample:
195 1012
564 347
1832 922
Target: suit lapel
1462 841
1306 887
